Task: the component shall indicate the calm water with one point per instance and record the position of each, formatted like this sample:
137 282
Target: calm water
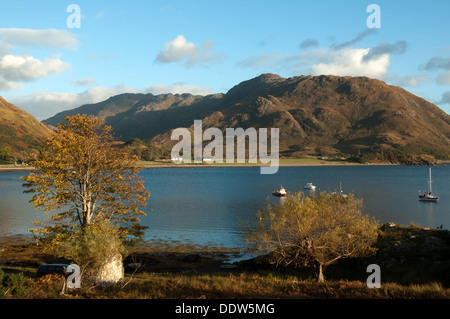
205 205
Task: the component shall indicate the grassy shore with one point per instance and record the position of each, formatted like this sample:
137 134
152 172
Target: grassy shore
282 162
14 168
170 164
225 285
415 263
311 161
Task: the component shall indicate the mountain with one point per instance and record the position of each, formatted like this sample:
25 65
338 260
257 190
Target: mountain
145 115
317 115
20 133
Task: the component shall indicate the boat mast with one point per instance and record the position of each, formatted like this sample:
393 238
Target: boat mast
429 185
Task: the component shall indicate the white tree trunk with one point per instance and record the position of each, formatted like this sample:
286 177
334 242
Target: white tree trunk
321 276
111 272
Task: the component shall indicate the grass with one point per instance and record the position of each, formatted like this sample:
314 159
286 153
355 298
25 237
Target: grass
310 161
282 162
266 286
423 274
225 285
230 286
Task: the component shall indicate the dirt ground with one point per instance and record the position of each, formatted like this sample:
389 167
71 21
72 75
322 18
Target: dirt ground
22 251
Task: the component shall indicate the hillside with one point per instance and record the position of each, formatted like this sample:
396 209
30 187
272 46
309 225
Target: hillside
20 133
317 115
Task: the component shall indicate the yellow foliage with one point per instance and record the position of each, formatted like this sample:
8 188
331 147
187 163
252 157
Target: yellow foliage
81 178
314 231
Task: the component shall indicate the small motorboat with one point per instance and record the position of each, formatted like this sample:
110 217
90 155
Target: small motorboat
309 186
280 193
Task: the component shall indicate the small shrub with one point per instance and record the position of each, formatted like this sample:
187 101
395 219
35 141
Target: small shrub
12 285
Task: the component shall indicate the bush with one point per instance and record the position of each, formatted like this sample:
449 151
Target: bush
12 285
92 247
314 231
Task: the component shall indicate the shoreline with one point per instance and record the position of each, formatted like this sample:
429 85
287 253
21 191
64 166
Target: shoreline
397 240
7 168
16 169
258 165
148 166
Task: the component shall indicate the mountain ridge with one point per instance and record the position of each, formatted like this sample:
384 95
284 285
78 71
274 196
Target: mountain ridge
21 134
317 115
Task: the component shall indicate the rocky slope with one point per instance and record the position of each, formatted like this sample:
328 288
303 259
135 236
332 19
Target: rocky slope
20 132
317 115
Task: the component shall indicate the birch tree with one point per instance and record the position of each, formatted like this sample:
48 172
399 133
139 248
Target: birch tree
81 179
314 232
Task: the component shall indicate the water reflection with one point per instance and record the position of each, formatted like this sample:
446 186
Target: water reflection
206 205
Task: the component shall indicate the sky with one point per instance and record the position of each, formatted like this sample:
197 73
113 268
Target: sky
58 55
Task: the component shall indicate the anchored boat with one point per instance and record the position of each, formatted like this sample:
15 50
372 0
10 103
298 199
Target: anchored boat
341 192
280 193
428 196
309 186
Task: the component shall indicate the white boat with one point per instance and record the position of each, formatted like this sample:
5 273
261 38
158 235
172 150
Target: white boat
428 196
281 192
341 192
309 186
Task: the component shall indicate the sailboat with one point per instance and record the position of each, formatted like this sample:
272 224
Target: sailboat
428 196
341 192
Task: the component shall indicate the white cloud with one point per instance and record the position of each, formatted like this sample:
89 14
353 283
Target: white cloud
18 68
180 50
443 78
95 58
37 38
26 68
9 85
179 89
412 80
84 82
342 59
45 104
177 50
350 62
259 61
328 60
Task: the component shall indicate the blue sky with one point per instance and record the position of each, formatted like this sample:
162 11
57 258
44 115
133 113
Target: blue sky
205 47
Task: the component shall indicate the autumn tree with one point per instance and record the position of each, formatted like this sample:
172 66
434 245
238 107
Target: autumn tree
81 179
5 154
314 231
